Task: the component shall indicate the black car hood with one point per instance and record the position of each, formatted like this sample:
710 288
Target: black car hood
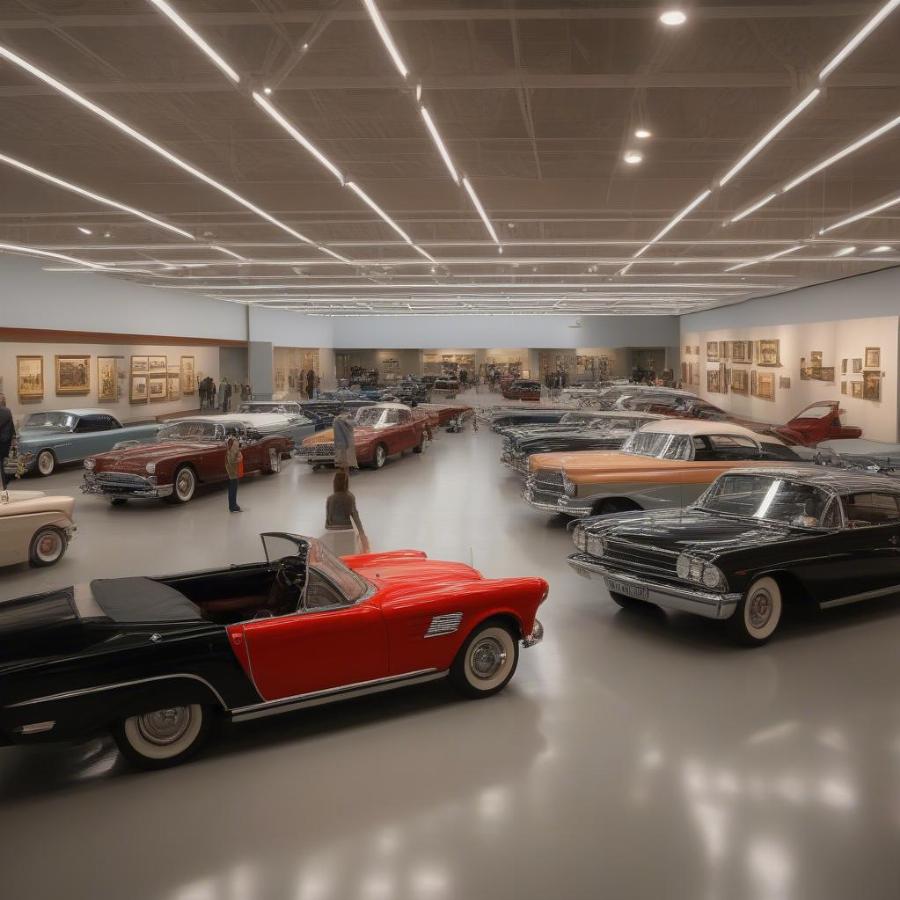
588 439
693 529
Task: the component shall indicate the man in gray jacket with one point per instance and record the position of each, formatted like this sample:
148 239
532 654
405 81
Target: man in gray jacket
7 433
344 443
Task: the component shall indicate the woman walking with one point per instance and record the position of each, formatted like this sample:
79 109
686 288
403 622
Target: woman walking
233 460
340 517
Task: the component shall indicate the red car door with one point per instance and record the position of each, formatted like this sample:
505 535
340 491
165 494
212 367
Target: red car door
316 650
406 431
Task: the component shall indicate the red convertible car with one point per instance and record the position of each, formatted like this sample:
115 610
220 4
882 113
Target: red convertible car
186 453
379 431
302 628
818 422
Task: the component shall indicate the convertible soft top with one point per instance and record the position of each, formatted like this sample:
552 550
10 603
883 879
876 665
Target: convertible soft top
142 600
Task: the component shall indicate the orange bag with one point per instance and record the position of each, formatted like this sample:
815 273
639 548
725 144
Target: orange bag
241 466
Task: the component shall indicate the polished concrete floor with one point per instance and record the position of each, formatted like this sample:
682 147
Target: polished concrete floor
632 756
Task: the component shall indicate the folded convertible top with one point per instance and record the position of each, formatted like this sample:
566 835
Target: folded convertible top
143 600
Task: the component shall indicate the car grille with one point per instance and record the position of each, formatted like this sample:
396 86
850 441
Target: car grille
642 559
121 481
546 486
320 450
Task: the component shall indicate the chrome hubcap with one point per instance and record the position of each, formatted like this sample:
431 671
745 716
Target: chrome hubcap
488 656
760 609
45 463
165 726
48 546
379 453
185 484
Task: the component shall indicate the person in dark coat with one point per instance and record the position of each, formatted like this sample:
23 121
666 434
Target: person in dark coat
7 433
310 383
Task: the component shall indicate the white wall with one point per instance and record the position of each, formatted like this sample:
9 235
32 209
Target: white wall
206 362
290 329
76 301
471 332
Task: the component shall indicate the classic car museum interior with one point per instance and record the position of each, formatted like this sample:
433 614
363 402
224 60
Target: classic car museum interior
450 449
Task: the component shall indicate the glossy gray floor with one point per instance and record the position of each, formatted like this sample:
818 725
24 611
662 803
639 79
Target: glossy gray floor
631 757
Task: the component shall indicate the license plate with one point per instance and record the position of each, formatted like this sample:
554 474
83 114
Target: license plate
638 591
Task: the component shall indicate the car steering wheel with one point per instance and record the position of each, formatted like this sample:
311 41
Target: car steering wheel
291 573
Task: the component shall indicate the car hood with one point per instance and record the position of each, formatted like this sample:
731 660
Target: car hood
549 441
699 531
326 436
413 571
133 459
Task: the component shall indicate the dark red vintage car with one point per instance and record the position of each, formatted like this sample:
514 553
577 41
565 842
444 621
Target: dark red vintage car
187 453
451 416
818 422
521 389
379 431
299 629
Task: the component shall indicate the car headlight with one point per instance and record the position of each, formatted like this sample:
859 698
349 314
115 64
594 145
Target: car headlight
713 577
89 464
568 487
596 545
150 468
690 568
579 536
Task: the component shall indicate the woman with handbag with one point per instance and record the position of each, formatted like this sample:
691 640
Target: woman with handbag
234 467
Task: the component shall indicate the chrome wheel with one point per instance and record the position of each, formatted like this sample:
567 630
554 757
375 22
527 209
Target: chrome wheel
274 461
486 657
162 736
380 456
486 662
46 462
759 613
47 546
185 484
165 726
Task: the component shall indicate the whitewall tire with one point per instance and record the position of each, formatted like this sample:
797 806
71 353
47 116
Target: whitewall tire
759 613
274 462
162 737
486 661
47 546
184 485
45 463
380 456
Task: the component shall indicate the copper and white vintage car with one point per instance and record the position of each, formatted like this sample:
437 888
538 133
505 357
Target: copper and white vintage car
665 463
35 527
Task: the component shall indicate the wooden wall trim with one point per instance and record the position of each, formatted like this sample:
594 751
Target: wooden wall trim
51 336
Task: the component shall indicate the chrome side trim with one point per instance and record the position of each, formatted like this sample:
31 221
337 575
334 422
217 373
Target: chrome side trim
35 728
445 624
865 595
702 603
330 695
67 695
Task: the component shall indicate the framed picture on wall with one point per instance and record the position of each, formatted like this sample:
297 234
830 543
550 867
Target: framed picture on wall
856 389
156 387
140 365
73 374
857 366
188 379
740 351
740 383
770 352
872 386
712 381
696 349
30 378
784 382
815 358
824 373
712 350
157 364
753 383
765 386
724 377
138 389
843 367
843 387
684 373
174 385
107 378
873 358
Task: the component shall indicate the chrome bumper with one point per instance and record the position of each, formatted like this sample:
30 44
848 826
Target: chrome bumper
528 495
685 599
143 490
17 464
536 636
572 506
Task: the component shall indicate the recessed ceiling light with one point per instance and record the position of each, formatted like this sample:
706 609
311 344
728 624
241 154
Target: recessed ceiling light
673 17
883 248
84 230
642 134
107 234
845 251
267 90
632 157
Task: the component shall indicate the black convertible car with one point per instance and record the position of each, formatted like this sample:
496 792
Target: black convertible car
575 431
502 418
755 541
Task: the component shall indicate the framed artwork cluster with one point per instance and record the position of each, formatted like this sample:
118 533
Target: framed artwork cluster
868 387
152 379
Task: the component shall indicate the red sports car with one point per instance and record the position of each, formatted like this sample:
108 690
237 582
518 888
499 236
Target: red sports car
300 629
816 423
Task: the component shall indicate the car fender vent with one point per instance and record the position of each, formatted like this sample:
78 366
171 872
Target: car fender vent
445 624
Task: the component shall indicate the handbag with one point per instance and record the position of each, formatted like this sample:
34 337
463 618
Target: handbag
240 466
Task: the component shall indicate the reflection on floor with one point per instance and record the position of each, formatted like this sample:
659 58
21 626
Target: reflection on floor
632 756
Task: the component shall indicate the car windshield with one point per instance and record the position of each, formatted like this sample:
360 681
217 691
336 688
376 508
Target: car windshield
659 444
819 411
369 415
351 585
611 423
189 431
772 499
576 419
262 408
50 419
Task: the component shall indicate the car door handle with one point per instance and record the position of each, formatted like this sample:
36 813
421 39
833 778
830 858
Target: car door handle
893 540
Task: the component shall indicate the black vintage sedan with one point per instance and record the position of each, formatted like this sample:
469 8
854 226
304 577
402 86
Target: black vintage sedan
576 431
756 541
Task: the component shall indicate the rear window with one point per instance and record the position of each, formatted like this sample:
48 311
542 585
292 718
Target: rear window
871 508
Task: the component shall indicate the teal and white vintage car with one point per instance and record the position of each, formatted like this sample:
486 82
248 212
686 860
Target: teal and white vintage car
49 439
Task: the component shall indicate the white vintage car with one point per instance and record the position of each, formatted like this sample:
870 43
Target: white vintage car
35 527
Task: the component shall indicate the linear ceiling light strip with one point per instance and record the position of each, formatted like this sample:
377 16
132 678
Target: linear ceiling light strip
84 192
864 214
228 252
141 138
859 37
33 251
769 258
